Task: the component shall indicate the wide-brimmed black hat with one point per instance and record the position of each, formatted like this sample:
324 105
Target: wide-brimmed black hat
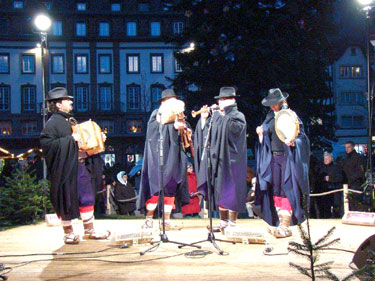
274 96
167 93
58 93
227 92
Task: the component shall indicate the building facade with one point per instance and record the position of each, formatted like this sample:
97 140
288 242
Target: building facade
109 54
349 73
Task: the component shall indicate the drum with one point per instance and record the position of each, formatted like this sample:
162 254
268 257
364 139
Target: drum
91 137
286 125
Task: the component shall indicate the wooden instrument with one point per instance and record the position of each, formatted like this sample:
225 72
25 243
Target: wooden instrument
286 125
185 134
91 137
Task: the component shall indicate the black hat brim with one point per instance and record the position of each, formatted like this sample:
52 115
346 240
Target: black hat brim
226 97
65 97
271 102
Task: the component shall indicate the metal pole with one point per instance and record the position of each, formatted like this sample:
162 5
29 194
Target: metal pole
43 39
369 100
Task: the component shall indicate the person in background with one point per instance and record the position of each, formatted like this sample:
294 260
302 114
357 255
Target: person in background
125 195
193 208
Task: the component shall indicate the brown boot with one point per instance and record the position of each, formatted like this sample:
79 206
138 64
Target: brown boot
283 229
224 220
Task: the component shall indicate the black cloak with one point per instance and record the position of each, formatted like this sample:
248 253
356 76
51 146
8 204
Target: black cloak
61 153
228 154
296 176
174 159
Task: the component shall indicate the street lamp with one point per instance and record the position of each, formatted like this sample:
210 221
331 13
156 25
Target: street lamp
368 6
43 24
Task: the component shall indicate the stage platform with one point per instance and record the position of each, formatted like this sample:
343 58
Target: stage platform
241 262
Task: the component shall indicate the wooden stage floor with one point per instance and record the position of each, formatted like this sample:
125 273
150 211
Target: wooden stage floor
241 262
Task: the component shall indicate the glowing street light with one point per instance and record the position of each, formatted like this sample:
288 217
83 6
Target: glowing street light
189 49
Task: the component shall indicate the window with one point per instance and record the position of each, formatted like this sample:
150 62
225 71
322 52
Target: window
134 126
133 97
177 66
29 128
115 7
80 29
4 26
143 7
57 28
4 63
132 63
4 98
105 64
81 6
352 98
28 98
81 64
157 63
81 100
350 71
57 63
105 98
28 64
18 4
131 28
156 95
104 29
352 121
155 29
107 126
6 128
178 27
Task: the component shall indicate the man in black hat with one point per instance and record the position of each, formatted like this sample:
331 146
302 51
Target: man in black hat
163 123
228 154
282 171
74 176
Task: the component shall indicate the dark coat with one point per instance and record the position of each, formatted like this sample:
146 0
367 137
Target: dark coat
228 154
335 176
296 176
174 164
126 197
354 167
61 154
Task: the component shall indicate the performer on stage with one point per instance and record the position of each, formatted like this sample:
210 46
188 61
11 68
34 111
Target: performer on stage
228 154
282 171
74 176
174 161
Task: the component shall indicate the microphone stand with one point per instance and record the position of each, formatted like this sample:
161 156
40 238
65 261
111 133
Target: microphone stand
206 151
163 235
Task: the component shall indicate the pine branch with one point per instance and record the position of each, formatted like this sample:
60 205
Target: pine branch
325 237
301 269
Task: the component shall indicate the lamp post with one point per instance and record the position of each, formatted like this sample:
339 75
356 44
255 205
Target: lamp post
368 6
43 24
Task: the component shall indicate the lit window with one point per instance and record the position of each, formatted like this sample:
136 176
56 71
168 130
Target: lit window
81 29
81 6
134 126
131 28
104 29
28 64
28 98
81 64
5 128
57 64
29 128
81 99
178 27
115 7
107 126
350 71
155 29
104 64
4 98
18 4
105 93
177 66
4 63
57 28
133 63
133 97
156 63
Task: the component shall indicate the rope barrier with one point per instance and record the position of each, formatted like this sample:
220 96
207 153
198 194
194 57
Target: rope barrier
334 191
